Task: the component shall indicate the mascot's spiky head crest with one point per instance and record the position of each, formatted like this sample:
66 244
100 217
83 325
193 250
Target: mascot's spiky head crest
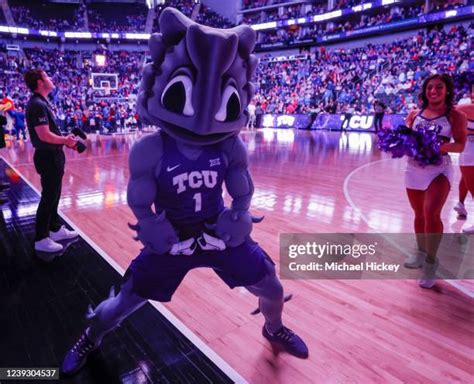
198 86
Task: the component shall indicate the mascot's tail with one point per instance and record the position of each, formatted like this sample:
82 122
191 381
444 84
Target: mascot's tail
287 298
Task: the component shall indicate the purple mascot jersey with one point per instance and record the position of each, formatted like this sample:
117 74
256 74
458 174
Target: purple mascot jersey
190 191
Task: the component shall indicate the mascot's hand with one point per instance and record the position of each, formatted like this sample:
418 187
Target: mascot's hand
234 226
156 232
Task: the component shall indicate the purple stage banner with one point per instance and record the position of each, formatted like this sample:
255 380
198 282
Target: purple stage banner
349 122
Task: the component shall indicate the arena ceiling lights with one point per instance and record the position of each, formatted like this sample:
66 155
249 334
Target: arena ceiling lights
269 25
21 31
425 19
48 33
327 16
77 35
362 7
137 36
110 35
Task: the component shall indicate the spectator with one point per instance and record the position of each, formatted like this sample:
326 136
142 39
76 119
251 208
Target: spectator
379 110
251 116
18 122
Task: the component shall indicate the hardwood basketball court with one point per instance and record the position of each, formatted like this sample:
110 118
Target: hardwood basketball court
368 331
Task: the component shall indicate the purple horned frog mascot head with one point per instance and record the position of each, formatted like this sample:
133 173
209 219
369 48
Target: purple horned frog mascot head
198 86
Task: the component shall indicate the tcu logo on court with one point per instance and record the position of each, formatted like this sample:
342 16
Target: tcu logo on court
195 180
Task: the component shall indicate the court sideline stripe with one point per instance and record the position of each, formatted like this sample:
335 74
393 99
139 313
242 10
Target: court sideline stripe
203 347
348 197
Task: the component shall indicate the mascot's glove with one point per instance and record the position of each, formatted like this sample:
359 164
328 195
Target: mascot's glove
156 232
235 226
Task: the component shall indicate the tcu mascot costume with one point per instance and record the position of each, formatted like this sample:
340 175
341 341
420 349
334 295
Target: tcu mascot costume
196 90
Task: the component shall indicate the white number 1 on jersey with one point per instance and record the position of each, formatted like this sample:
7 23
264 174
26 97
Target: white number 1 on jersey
198 199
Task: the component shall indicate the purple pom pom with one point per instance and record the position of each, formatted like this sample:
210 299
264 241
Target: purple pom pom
423 144
429 143
399 141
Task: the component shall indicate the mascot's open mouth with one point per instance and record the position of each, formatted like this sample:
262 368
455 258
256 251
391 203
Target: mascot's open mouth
189 137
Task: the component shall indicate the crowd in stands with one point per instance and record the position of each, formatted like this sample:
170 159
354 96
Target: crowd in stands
205 16
311 31
288 12
350 80
43 15
335 81
339 4
408 10
311 9
113 18
250 4
447 5
77 102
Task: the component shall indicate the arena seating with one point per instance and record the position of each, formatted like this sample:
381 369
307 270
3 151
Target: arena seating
349 23
349 80
102 17
76 100
109 17
317 80
206 16
40 14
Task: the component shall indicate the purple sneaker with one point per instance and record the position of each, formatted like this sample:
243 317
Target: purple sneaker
76 357
286 340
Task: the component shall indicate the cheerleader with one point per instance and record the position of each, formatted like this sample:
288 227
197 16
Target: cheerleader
428 187
466 161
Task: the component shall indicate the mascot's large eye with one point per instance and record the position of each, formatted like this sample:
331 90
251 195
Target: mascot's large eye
176 96
229 109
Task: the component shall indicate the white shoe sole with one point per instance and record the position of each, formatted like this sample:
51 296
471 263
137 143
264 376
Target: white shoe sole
52 237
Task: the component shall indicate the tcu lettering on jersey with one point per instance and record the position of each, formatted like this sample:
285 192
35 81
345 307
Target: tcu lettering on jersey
195 180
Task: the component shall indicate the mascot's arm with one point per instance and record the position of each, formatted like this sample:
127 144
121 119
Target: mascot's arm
238 180
153 230
234 225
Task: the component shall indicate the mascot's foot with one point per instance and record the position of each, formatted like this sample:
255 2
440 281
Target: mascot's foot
287 341
76 357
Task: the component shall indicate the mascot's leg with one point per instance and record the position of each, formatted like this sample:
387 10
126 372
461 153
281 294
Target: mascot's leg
270 295
270 298
112 311
108 315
